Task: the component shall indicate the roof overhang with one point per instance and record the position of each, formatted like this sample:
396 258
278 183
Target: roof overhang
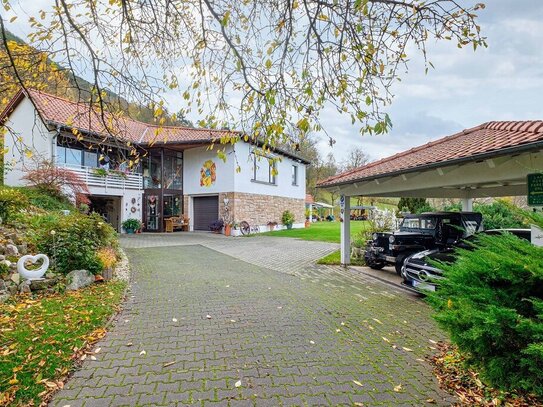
491 174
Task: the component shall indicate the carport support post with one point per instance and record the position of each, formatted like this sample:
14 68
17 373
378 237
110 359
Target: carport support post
345 235
467 204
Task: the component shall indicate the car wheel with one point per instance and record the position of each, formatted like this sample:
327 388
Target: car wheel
400 260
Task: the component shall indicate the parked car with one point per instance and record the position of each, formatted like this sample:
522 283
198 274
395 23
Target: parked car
426 231
421 275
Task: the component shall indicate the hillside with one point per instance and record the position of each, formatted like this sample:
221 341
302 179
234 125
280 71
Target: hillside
38 71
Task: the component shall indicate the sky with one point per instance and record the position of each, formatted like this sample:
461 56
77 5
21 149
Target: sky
466 88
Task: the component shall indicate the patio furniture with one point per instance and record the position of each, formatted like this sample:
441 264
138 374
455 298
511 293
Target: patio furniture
176 222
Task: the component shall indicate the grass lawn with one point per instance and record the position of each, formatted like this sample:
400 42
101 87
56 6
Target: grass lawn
41 339
323 231
334 259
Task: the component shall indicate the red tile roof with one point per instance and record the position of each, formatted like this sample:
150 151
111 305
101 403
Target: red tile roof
64 112
489 137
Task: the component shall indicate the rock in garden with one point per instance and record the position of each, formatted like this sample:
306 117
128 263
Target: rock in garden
3 286
2 249
78 278
4 297
11 250
2 257
16 278
43 284
24 287
12 288
22 248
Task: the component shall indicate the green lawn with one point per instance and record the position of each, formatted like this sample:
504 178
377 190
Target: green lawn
334 259
39 338
323 231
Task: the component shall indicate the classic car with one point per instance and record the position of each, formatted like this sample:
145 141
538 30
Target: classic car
417 233
420 273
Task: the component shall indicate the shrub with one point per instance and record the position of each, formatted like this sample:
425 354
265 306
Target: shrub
107 256
57 181
72 241
491 303
500 215
11 201
287 218
44 200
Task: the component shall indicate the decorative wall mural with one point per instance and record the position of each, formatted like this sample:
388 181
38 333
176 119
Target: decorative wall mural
208 174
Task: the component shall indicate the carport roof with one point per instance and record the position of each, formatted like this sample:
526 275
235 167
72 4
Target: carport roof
471 144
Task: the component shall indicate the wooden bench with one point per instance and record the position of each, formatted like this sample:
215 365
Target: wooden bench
176 222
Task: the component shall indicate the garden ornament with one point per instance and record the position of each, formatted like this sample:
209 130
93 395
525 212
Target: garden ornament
32 274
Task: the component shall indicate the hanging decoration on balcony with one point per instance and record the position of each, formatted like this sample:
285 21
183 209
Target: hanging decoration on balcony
208 174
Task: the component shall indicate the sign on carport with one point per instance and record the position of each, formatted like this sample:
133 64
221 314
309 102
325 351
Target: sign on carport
535 189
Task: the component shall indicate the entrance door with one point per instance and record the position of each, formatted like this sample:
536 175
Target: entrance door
152 212
107 207
205 211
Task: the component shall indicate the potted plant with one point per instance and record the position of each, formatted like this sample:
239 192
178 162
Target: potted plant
131 225
227 229
272 224
287 219
216 227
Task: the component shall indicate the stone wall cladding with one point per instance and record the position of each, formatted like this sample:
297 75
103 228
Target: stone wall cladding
260 209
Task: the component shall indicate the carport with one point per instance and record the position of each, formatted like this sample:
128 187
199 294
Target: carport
490 160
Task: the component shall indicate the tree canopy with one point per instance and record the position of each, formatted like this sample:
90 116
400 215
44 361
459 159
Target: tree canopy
270 67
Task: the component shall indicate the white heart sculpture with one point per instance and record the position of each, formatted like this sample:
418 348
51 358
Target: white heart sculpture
32 274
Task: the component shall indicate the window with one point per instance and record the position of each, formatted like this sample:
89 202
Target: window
70 156
295 175
263 169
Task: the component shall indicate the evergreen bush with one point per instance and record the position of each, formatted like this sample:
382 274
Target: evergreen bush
491 304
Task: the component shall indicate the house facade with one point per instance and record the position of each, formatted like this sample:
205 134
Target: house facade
179 172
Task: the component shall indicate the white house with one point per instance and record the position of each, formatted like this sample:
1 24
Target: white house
179 172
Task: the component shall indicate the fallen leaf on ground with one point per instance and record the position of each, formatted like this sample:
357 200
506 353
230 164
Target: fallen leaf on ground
385 339
238 383
358 383
431 401
169 363
174 319
407 349
97 350
376 320
312 342
143 352
208 316
93 357
232 320
338 330
129 344
398 388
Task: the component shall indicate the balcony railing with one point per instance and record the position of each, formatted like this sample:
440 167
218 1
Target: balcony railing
95 177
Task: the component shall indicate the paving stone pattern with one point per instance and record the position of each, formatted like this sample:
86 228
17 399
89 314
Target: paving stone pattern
308 335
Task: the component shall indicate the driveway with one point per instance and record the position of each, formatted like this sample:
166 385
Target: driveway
253 321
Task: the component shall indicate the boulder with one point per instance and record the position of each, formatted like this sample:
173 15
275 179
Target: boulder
22 248
42 284
2 257
4 297
24 287
12 288
78 278
16 278
11 250
3 286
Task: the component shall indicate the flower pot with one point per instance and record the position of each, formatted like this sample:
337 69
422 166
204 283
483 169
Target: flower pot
130 231
307 223
289 226
227 230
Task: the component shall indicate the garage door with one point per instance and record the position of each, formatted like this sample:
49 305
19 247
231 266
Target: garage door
205 211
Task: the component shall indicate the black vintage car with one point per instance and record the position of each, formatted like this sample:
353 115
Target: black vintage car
417 233
420 273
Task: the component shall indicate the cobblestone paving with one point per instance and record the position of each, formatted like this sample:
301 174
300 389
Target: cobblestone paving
202 327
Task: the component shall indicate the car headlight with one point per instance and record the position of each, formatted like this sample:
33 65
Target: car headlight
374 236
391 239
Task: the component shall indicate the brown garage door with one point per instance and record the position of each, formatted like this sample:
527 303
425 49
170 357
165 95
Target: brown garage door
205 211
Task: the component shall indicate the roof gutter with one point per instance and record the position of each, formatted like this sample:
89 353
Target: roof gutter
536 146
